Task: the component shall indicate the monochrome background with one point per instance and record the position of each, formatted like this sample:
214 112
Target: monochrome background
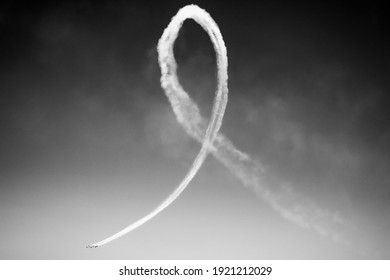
89 142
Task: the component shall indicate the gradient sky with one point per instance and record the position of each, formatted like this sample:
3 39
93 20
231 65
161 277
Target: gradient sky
89 142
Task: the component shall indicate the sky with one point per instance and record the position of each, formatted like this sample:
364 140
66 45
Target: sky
89 143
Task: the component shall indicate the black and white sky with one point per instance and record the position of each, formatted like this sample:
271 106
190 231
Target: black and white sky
89 142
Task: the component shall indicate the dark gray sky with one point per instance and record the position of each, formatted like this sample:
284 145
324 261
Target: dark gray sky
89 142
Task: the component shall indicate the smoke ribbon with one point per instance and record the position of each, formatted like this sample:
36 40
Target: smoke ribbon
295 208
186 111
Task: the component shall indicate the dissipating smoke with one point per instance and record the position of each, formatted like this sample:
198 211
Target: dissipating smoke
252 173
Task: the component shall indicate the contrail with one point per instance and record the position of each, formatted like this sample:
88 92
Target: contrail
252 173
182 105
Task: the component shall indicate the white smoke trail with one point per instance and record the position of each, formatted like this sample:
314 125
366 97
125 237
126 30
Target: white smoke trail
182 105
295 208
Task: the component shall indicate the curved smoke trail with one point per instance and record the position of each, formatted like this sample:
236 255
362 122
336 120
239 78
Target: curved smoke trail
181 103
292 206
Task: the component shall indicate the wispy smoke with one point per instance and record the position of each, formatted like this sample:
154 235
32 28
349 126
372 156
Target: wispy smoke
252 173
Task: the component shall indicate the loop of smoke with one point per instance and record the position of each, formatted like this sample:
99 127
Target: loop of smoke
186 111
293 207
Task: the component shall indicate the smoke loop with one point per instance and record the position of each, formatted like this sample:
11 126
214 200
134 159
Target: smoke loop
186 111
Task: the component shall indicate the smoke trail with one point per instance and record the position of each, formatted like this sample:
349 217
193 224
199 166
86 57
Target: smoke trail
253 174
182 105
